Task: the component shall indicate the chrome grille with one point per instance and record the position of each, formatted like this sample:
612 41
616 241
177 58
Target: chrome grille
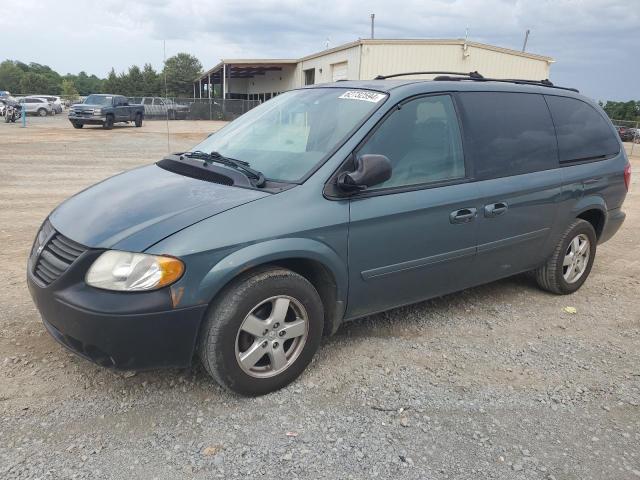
53 254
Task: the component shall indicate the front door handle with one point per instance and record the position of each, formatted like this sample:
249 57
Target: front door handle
495 209
464 215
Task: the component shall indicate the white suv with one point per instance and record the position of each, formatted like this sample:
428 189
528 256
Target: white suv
35 105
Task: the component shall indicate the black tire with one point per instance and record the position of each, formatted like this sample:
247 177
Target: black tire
218 337
138 120
42 112
108 122
550 275
77 125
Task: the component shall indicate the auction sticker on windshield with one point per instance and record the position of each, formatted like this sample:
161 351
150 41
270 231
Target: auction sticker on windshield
363 95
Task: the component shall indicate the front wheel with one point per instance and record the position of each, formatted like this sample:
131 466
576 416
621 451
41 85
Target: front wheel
77 125
108 122
42 112
138 120
262 331
570 264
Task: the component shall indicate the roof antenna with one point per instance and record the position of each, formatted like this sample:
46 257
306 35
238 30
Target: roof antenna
526 38
373 21
327 43
164 54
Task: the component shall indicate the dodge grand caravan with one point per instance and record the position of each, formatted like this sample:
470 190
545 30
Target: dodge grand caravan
322 205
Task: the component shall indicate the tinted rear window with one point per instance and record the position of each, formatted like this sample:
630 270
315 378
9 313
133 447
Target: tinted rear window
583 133
507 133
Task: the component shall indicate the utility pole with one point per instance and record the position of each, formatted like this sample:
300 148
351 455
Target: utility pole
526 37
373 18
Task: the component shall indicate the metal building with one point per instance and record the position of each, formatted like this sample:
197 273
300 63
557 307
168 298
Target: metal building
260 79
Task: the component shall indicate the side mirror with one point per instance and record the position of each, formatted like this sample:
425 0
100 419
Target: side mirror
370 170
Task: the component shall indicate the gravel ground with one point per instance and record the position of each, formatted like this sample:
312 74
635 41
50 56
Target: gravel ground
493 382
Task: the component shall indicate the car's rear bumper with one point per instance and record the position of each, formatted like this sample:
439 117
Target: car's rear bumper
615 219
123 336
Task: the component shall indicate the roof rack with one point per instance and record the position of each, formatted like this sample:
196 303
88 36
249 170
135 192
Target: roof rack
520 81
470 75
475 76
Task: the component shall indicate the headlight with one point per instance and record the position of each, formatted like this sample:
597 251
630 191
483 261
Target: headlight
97 111
131 272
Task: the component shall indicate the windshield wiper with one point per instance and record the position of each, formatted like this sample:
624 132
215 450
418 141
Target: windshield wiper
215 157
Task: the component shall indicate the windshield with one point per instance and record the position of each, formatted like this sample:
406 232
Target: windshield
98 100
290 134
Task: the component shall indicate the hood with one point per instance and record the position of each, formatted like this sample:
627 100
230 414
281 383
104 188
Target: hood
138 208
88 106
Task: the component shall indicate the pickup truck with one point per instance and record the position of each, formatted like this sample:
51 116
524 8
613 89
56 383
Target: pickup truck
105 109
164 107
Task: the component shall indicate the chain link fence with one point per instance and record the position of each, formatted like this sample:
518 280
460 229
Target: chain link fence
629 131
162 108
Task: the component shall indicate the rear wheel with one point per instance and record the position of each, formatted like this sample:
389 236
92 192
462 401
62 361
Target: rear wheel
108 122
138 121
570 264
262 331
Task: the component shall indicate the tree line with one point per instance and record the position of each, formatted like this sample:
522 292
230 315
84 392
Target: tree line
623 110
179 70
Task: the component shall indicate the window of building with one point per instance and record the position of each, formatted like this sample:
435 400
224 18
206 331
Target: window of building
507 133
583 133
422 141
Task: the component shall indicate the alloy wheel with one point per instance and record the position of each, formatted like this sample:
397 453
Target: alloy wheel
272 336
576 258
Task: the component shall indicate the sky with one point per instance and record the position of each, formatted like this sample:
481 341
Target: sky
595 42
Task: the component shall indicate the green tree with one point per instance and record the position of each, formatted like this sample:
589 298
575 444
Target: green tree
622 110
10 76
69 91
112 83
151 80
133 82
181 70
33 83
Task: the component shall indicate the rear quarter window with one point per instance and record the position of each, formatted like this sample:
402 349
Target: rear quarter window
507 133
583 133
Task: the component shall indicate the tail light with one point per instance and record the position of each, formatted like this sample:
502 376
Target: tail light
627 176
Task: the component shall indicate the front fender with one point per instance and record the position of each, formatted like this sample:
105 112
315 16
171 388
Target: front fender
271 251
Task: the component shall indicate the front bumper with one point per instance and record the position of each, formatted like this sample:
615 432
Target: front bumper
87 119
122 330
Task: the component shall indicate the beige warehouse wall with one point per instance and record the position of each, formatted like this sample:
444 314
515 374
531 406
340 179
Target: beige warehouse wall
324 62
276 81
386 59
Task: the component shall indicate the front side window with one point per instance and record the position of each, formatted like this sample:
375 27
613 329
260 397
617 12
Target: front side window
422 141
507 133
583 133
287 136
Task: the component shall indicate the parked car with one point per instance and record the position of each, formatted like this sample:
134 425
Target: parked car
105 110
164 107
626 134
3 107
323 205
38 106
55 101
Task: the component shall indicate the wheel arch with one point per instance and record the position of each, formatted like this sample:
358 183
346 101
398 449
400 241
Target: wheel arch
593 209
314 260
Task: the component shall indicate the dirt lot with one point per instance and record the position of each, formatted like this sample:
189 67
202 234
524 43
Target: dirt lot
494 382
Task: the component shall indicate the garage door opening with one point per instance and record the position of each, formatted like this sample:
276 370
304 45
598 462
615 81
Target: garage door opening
339 71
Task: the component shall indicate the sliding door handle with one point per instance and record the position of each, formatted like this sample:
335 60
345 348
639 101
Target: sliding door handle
495 209
464 215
